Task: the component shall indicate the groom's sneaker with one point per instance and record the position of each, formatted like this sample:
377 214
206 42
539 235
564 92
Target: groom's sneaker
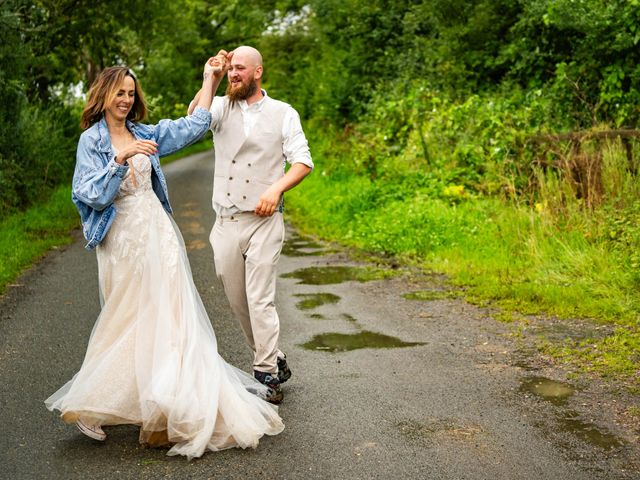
91 431
284 372
274 390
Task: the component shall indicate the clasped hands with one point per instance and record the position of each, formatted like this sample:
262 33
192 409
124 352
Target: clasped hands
218 65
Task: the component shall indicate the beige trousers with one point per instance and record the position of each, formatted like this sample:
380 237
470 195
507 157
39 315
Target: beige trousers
246 249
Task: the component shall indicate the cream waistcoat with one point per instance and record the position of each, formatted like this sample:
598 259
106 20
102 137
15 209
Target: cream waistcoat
246 166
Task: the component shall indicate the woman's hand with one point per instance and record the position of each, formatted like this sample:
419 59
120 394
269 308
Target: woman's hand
146 147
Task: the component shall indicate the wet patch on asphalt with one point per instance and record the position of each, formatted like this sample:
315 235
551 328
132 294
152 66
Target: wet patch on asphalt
349 318
438 430
195 245
192 228
571 423
567 420
338 274
312 300
343 342
190 214
547 389
301 246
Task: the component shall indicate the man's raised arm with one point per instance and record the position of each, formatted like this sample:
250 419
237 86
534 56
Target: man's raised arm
220 64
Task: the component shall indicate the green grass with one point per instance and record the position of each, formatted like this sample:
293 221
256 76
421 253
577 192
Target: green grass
617 355
26 236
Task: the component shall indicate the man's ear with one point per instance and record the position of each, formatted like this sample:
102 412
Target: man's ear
257 74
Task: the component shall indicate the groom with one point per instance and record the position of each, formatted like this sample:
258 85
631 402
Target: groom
253 136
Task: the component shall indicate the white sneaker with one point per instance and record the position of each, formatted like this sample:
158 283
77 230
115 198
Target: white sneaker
93 431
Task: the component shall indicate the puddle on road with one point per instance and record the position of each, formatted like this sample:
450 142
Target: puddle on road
550 390
313 300
588 432
338 274
343 342
431 295
299 246
317 316
349 318
569 421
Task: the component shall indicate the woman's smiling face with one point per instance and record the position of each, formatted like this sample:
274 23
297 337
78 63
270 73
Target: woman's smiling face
123 100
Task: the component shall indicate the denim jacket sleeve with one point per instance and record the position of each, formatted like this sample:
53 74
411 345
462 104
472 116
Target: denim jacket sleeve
172 135
97 176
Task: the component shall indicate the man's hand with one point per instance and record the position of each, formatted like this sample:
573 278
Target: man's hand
268 202
271 198
219 65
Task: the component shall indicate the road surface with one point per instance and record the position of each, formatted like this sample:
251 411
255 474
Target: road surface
383 386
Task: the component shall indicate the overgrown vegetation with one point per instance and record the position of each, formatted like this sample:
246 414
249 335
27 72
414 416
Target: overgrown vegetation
432 126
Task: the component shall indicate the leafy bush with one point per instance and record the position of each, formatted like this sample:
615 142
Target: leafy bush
42 158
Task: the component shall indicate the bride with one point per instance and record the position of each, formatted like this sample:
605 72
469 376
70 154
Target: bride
152 358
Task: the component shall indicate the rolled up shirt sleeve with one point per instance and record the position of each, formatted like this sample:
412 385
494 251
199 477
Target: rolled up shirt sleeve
295 146
216 110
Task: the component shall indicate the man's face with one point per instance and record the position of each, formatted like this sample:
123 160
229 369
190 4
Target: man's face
242 76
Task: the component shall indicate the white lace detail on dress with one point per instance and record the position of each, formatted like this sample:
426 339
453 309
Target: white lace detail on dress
140 215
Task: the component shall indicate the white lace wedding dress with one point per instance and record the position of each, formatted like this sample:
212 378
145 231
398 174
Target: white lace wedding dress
152 358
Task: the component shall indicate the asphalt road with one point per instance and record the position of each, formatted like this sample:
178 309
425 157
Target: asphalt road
451 407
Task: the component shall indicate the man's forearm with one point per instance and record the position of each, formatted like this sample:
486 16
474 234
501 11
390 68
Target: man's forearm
269 199
194 103
293 177
205 95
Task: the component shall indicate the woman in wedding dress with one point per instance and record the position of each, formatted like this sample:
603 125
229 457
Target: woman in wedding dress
152 357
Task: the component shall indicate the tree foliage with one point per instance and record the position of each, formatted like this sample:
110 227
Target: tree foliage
382 69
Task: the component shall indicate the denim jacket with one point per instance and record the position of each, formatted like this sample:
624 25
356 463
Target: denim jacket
97 176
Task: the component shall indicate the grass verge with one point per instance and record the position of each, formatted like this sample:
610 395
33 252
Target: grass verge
27 236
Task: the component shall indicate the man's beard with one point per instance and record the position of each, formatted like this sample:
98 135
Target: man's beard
244 91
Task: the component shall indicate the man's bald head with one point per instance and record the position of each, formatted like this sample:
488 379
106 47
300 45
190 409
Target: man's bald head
249 54
245 75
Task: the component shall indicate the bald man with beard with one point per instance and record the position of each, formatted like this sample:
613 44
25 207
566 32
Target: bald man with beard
254 136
